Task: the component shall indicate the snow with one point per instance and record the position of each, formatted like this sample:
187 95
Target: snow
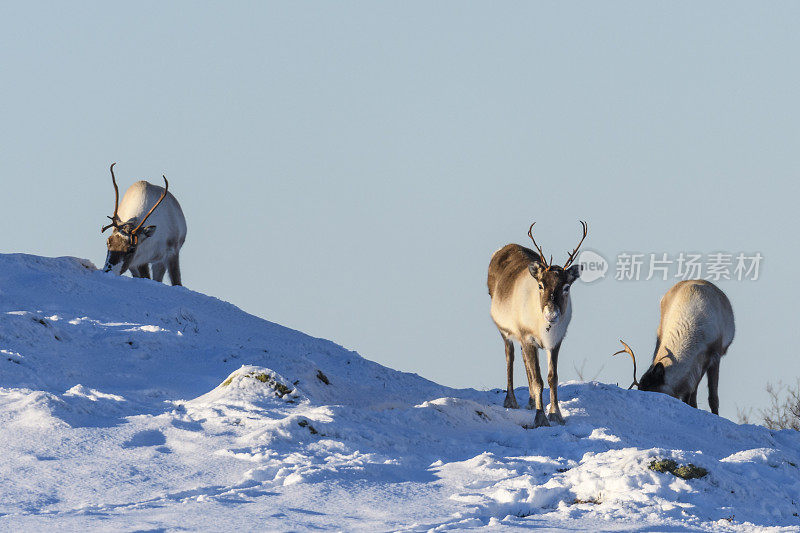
131 405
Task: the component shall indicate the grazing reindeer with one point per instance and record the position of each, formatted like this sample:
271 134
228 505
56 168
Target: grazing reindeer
696 330
531 304
134 246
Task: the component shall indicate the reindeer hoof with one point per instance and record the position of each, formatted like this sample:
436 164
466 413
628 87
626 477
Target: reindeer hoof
540 419
510 402
556 418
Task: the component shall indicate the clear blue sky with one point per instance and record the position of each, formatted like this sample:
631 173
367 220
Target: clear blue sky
347 169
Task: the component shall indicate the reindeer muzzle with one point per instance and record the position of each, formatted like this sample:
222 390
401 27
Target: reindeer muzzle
552 315
113 262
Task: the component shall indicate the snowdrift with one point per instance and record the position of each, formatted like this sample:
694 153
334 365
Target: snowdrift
127 405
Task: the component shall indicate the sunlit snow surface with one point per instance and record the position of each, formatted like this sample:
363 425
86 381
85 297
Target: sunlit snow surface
131 405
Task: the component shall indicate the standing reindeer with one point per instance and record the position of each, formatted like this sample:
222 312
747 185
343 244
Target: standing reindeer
696 330
134 246
531 304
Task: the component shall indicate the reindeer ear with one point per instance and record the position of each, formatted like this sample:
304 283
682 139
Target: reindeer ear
574 272
148 231
536 269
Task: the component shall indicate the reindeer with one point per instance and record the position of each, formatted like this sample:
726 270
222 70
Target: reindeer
134 246
696 330
531 304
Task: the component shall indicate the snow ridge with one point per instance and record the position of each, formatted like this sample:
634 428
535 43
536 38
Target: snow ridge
127 404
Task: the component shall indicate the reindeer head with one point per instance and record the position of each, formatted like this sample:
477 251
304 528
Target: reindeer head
126 235
555 281
654 378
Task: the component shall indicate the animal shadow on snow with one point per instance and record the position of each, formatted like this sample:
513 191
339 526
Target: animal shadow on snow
147 437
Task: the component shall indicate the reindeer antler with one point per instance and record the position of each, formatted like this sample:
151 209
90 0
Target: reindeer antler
163 195
628 350
574 252
116 200
539 248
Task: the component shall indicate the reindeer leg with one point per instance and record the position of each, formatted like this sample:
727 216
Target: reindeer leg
693 398
535 385
528 376
554 414
174 267
511 400
158 271
713 383
144 271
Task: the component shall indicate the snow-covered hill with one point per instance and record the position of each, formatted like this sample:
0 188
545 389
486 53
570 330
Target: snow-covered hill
130 405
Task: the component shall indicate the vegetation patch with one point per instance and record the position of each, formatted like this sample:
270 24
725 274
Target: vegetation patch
783 411
593 501
305 424
663 465
687 471
280 389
